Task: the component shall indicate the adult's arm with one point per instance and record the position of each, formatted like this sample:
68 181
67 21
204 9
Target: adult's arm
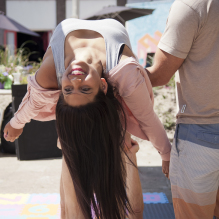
182 29
164 67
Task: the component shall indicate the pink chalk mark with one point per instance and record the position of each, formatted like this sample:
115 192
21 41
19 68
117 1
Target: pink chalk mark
152 198
17 199
44 199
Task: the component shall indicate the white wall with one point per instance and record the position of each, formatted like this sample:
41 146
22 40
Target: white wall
88 7
35 15
39 15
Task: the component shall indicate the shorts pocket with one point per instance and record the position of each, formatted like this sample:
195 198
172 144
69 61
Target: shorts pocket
181 145
208 137
182 133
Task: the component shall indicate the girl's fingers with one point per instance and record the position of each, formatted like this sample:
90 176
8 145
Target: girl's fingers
7 138
134 148
133 142
5 133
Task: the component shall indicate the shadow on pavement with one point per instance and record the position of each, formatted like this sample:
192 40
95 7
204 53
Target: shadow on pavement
158 211
7 155
2 155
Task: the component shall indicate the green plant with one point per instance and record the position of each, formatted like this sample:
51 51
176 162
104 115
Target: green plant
3 77
171 83
169 120
150 60
18 62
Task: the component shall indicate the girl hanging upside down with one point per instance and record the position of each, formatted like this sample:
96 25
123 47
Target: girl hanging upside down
91 83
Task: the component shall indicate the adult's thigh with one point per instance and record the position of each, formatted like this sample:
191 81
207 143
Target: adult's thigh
216 210
194 176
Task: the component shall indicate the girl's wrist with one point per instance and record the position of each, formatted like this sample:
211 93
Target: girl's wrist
132 156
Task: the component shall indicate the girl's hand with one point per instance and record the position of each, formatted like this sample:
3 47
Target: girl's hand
165 168
131 146
10 133
59 144
134 148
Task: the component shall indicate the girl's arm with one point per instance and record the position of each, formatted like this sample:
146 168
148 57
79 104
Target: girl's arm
46 75
39 101
134 86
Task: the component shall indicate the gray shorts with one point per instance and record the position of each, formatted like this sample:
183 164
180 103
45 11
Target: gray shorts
194 171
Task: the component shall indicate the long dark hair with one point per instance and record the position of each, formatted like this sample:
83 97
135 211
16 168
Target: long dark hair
92 141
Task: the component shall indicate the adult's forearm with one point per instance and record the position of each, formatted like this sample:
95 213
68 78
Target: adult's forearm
155 78
164 67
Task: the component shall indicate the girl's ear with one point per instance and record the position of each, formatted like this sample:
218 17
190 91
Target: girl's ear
104 85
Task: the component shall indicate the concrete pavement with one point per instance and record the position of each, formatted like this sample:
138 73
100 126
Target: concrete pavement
43 176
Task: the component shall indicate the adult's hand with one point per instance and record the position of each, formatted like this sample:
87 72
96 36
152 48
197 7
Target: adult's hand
165 168
10 133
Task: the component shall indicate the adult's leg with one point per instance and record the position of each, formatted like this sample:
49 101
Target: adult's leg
134 189
194 174
216 210
62 199
69 205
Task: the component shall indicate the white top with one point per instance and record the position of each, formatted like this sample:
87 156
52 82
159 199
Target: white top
113 32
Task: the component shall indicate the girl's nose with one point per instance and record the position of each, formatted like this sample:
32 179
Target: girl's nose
76 80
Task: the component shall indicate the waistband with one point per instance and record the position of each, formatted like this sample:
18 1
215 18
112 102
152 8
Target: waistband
206 135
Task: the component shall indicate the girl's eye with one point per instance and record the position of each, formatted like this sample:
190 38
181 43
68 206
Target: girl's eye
67 90
86 89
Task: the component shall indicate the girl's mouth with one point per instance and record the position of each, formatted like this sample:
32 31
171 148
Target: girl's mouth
77 71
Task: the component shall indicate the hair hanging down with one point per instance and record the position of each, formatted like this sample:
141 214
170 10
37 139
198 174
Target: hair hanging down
92 139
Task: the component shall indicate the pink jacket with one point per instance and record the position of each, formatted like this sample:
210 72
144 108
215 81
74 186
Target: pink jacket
133 85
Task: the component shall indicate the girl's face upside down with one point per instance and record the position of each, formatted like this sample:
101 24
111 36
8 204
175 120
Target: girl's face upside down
82 78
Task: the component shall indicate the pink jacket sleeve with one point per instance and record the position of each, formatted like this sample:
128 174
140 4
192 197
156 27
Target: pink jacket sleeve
135 89
38 103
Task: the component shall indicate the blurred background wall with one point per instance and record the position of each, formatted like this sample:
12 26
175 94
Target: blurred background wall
145 32
42 16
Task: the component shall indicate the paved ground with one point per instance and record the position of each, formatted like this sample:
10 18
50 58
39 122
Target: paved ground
149 164
42 176
37 176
